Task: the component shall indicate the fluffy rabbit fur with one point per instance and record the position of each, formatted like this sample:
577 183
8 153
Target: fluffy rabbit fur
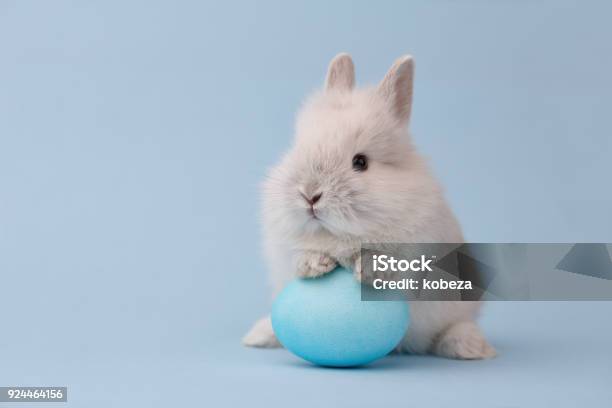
318 208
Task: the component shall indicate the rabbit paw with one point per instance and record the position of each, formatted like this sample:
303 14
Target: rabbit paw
357 270
464 341
261 335
311 264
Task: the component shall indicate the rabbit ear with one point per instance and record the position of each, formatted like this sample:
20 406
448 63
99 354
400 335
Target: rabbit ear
396 87
341 73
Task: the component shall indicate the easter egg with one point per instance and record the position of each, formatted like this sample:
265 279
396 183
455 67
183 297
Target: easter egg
323 320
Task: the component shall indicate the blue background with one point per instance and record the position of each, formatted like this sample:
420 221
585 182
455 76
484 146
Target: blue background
133 137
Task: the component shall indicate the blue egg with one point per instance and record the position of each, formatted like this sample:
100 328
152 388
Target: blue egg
324 321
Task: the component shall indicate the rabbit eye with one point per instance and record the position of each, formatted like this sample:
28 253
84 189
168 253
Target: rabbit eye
360 162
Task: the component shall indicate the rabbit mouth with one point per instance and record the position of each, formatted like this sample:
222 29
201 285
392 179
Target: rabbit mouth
314 220
312 213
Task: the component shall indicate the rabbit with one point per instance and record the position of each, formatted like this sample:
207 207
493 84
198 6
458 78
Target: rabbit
354 176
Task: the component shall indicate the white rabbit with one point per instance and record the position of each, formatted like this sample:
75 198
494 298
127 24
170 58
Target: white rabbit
354 176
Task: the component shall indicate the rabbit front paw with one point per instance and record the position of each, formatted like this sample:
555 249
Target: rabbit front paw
352 262
311 264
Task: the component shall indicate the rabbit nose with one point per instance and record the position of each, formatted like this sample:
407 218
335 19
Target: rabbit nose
312 200
315 198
